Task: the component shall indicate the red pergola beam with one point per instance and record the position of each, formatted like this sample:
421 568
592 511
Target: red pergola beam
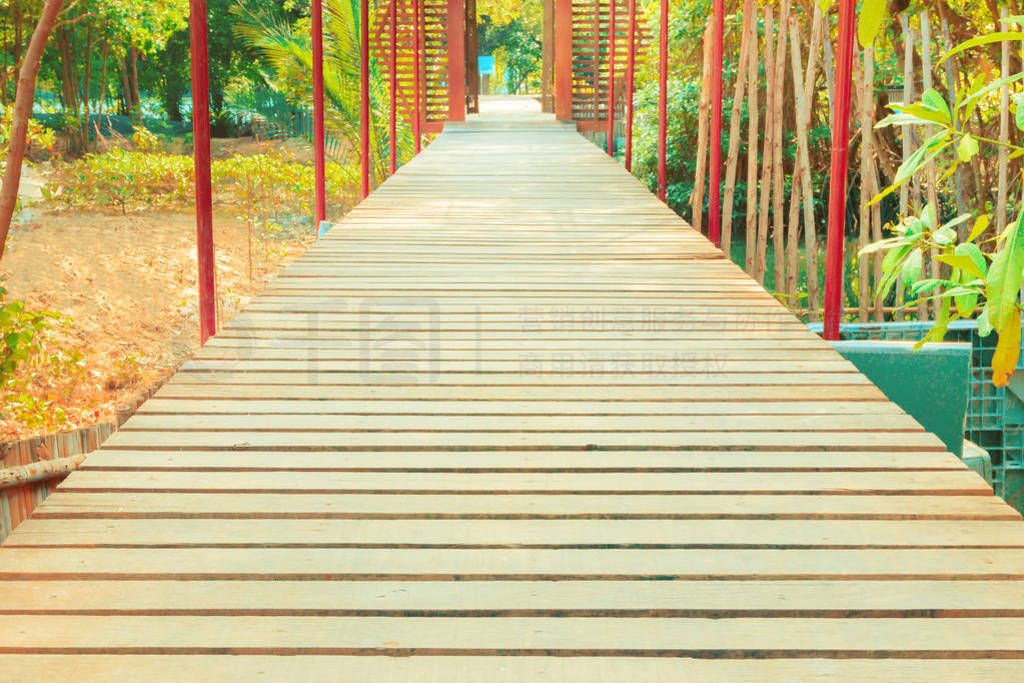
393 89
201 155
840 161
715 182
563 60
663 103
364 95
319 136
611 77
417 114
630 85
456 60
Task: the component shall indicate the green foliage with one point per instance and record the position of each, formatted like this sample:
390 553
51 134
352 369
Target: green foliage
512 34
39 136
975 270
264 185
127 180
22 343
287 48
21 333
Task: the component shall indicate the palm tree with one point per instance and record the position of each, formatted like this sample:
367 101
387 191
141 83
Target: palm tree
289 50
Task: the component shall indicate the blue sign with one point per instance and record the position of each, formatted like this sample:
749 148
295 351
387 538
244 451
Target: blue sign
485 65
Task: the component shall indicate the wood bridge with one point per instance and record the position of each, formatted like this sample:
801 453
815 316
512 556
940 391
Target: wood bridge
512 419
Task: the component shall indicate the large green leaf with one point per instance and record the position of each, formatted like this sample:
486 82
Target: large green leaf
968 148
872 15
997 37
1005 277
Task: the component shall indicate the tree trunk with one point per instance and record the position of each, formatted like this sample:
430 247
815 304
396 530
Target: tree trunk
767 150
136 101
23 101
732 161
753 125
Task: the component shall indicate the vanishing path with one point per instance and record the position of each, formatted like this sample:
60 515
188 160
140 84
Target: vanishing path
513 407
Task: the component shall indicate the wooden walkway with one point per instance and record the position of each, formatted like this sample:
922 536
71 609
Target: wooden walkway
514 420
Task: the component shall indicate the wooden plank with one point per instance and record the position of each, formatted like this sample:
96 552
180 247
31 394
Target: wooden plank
648 424
443 393
259 406
226 505
174 668
459 441
774 534
528 635
806 483
60 564
521 598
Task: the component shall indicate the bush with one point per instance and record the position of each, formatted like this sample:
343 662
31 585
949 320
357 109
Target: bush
127 180
261 186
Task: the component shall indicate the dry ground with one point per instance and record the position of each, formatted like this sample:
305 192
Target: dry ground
127 286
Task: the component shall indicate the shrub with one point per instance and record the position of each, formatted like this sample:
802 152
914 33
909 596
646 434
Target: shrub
127 180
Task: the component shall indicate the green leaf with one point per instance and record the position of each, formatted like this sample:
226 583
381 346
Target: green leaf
934 101
1005 277
924 112
984 326
961 261
980 226
911 271
997 37
966 299
968 148
872 15
925 286
920 158
973 97
974 253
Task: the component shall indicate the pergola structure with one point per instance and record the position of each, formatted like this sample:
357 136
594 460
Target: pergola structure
427 49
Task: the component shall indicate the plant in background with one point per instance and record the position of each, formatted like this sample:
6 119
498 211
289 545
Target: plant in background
288 49
976 269
127 180
22 336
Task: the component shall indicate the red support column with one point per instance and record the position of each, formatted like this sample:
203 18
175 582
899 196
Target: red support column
715 182
204 189
364 95
319 137
630 85
456 60
417 110
393 88
563 60
663 103
611 77
840 160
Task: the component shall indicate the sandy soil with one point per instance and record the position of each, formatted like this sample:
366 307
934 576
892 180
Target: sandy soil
127 286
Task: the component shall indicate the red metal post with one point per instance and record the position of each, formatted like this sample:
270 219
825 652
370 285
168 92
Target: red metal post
840 160
319 137
630 86
717 64
417 113
456 60
611 77
204 190
563 60
663 103
364 95
393 87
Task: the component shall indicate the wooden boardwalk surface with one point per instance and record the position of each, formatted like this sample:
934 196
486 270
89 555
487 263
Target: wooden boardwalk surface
514 420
